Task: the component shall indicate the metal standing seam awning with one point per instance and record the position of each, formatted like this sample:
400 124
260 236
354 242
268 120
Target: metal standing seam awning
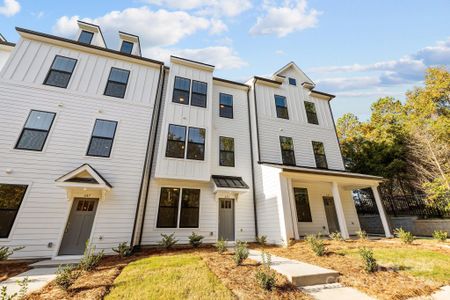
229 184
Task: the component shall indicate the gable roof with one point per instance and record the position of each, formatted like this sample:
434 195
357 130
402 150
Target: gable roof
95 179
296 68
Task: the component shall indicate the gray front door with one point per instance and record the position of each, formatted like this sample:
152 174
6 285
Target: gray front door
226 219
330 211
79 226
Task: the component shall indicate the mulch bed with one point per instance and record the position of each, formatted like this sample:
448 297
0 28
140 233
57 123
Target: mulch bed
10 268
383 284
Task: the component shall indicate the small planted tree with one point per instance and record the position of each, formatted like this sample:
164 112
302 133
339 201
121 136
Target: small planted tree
266 276
168 240
240 252
195 240
316 244
123 250
440 235
370 263
405 236
6 252
90 259
221 245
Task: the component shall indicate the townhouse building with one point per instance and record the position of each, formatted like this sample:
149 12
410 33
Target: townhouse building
107 146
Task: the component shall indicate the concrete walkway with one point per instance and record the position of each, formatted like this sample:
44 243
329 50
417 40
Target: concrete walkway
334 291
442 294
38 278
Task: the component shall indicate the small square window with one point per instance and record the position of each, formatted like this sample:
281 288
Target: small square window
292 81
60 71
126 47
85 37
117 83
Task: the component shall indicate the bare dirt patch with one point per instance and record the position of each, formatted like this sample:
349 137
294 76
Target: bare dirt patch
12 268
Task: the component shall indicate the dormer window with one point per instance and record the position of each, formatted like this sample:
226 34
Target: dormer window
85 37
127 47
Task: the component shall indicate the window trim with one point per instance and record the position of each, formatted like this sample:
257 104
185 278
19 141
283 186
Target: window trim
103 138
90 40
65 72
310 220
226 105
316 118
226 151
316 155
128 42
292 151
188 142
192 93
116 82
292 81
284 107
27 188
179 204
32 129
184 142
188 102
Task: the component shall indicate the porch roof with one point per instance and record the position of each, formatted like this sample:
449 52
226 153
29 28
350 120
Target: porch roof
85 176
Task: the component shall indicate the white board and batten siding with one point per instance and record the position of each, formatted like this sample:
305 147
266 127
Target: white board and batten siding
43 214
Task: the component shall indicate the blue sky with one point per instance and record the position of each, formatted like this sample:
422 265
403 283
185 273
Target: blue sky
358 50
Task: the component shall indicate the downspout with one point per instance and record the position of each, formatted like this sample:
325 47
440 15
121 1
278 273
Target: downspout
147 167
253 164
256 116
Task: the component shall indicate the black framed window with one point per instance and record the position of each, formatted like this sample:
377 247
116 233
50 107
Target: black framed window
281 105
287 150
181 90
117 83
196 143
226 105
36 129
319 154
176 141
190 204
126 47
302 205
168 208
311 113
199 91
60 71
86 37
102 138
292 81
226 151
11 197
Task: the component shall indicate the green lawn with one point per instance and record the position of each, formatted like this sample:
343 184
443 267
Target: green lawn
181 276
422 263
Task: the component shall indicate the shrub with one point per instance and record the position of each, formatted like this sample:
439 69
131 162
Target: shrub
316 244
405 236
240 252
90 259
262 240
370 263
221 245
195 240
168 240
362 234
336 236
19 295
440 235
123 250
6 252
66 276
265 276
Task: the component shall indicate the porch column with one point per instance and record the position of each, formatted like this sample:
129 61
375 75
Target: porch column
387 230
339 210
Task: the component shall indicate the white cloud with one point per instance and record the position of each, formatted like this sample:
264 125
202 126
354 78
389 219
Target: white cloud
346 83
292 16
156 28
38 15
217 26
9 8
227 8
280 52
221 57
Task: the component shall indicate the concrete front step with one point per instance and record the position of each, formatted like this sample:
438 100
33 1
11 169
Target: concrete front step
299 273
54 263
334 291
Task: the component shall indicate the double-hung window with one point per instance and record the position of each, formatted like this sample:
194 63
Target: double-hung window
86 37
181 90
319 155
178 208
281 106
102 138
60 71
287 150
117 83
226 105
11 196
176 141
126 47
36 129
199 91
302 205
196 144
226 151
292 81
311 113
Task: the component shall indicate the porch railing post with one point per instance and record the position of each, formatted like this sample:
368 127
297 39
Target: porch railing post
381 211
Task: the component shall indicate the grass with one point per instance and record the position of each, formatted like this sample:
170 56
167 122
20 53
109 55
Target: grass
178 276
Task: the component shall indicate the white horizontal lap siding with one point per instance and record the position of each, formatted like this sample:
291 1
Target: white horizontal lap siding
208 213
237 128
189 116
43 214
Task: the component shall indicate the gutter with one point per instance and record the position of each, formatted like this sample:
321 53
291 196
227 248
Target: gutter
253 164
